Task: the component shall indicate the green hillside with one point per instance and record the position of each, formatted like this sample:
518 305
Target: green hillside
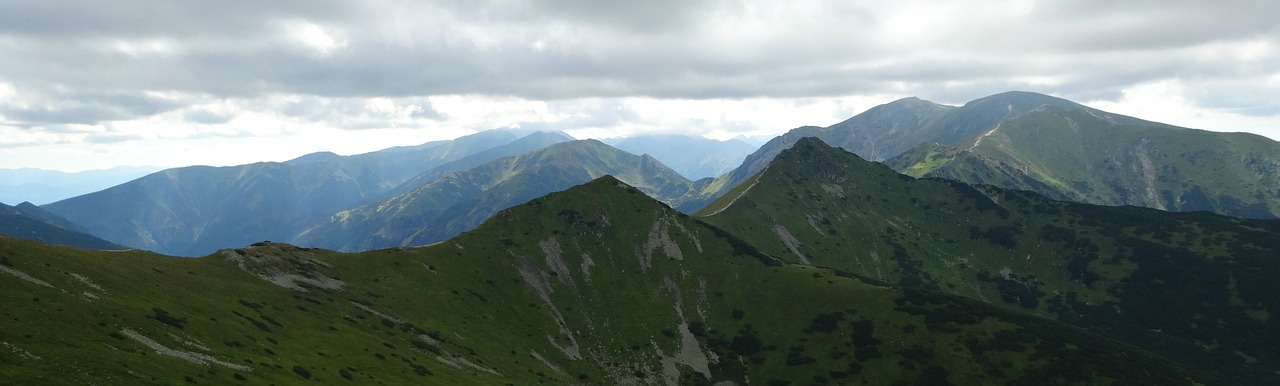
1193 287
1080 155
598 284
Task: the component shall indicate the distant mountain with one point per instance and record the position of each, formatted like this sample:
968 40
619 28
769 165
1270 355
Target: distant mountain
1165 282
532 141
28 221
455 202
196 210
1080 154
691 156
41 186
1052 146
597 284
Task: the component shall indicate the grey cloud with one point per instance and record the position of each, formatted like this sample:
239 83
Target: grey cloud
665 49
87 108
63 19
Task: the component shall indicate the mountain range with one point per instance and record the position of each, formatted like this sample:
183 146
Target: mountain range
1053 146
456 202
39 186
596 284
196 210
427 193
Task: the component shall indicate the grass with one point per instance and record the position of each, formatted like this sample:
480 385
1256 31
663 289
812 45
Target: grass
402 313
1124 272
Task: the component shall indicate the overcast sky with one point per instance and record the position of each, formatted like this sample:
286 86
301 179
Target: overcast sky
93 84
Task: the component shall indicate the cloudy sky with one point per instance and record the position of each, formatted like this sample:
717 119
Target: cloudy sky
93 84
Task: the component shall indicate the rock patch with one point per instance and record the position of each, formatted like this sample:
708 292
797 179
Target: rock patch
193 357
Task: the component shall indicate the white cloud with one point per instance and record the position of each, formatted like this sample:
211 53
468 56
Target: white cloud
1164 101
345 76
315 37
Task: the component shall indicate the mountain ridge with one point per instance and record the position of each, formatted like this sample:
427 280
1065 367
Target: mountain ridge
457 201
1134 274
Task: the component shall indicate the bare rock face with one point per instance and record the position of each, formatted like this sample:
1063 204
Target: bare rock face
284 265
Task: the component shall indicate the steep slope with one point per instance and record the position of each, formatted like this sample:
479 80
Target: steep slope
195 210
692 157
1193 287
30 222
459 201
1079 155
598 284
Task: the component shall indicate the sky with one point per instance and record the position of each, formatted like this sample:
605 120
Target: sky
95 84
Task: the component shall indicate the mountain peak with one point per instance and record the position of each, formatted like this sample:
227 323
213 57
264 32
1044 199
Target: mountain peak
1021 101
321 156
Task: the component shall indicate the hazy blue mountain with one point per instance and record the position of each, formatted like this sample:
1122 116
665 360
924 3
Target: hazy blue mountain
40 186
530 142
196 210
691 156
455 202
28 221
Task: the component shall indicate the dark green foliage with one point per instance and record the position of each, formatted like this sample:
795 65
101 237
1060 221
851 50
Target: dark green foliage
302 372
167 318
826 322
745 343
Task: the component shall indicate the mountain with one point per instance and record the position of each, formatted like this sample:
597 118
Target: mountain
1053 146
1081 154
597 284
883 132
531 142
41 186
691 156
196 210
30 222
455 202
1192 287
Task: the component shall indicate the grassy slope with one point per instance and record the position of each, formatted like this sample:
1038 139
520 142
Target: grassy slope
1078 155
1189 286
600 282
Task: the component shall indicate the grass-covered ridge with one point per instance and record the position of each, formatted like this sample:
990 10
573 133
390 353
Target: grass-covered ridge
598 284
1194 287
1085 155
